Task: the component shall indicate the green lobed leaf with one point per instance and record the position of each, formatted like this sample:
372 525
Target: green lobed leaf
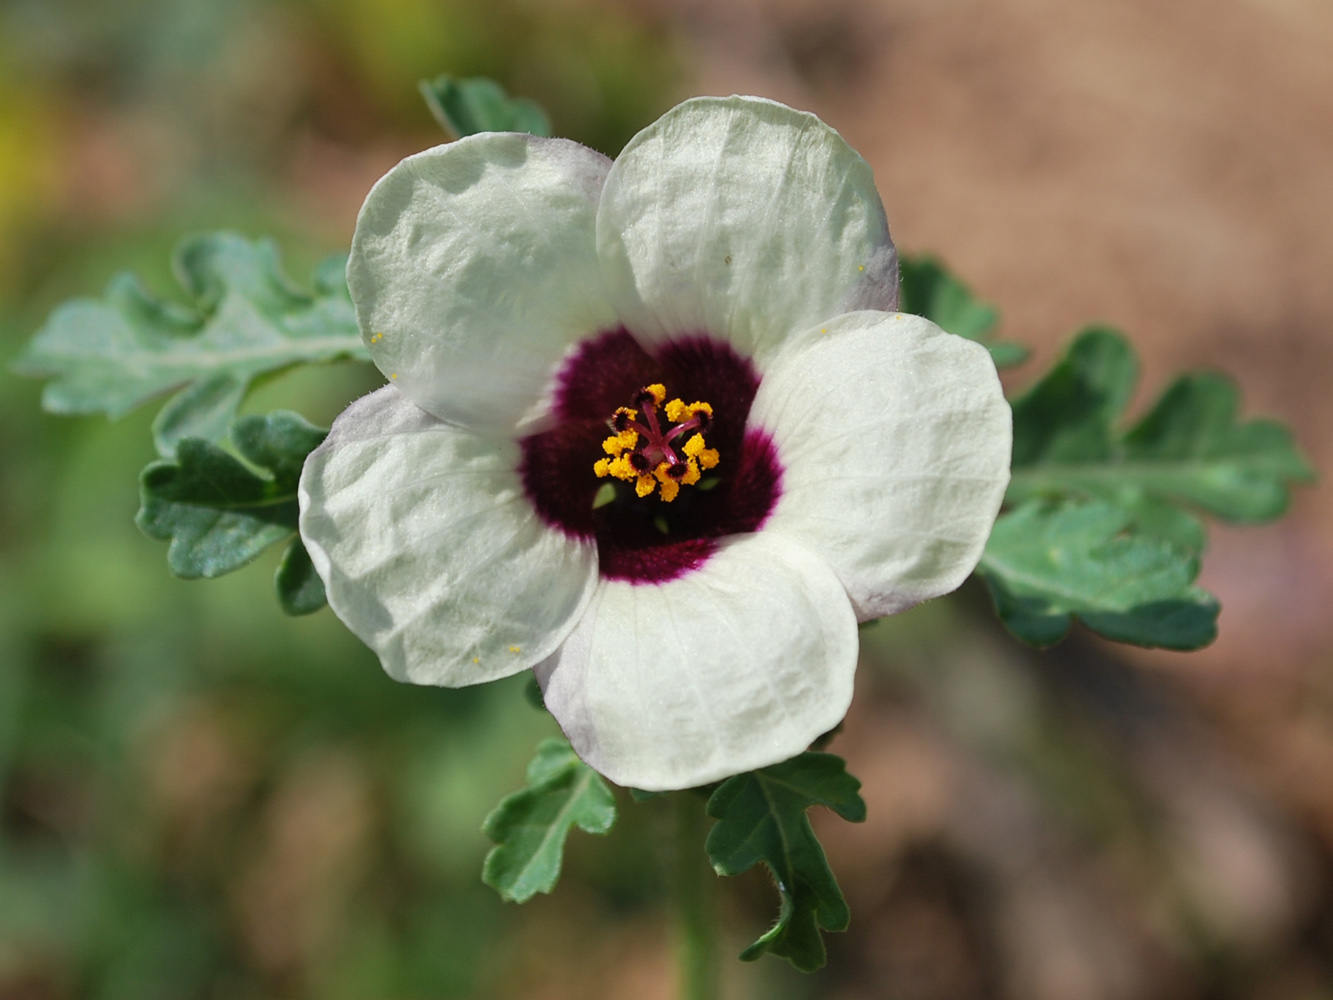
466 107
529 827
218 513
246 320
1190 450
1048 562
299 588
926 289
762 818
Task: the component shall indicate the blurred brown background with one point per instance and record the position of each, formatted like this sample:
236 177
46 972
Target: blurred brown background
201 799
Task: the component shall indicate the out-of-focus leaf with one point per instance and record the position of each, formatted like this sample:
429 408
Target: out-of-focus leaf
762 818
1049 562
529 827
246 320
478 104
299 588
1190 449
927 289
218 513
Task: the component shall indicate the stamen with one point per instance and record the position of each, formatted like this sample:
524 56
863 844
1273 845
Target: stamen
650 456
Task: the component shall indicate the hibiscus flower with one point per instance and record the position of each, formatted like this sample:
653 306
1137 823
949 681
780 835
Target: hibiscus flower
653 429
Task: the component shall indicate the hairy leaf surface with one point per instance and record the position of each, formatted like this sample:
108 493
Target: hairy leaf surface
1190 451
219 511
1047 563
762 818
245 320
477 104
529 827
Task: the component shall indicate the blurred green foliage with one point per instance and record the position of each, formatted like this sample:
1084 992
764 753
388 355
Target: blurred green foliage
200 797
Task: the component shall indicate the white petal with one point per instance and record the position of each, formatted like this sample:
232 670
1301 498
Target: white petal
737 665
744 219
429 551
894 438
473 269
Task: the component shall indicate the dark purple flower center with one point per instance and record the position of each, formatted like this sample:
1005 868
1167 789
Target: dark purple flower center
645 539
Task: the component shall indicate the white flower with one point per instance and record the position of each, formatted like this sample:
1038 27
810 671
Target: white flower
518 292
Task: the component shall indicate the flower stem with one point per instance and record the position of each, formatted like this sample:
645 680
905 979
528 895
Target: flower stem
694 895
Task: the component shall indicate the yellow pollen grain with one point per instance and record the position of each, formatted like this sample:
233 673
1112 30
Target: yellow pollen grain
375 338
657 390
621 469
861 268
515 649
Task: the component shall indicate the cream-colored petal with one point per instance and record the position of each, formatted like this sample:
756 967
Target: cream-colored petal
736 665
744 219
895 439
474 269
429 551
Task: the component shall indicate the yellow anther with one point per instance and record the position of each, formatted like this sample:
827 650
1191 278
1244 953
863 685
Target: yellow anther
621 469
602 467
624 441
657 390
698 407
645 485
694 445
669 490
708 458
676 410
691 474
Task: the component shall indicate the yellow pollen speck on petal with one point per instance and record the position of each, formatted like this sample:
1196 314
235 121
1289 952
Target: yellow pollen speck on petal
515 649
645 485
675 410
669 490
602 467
709 458
657 390
375 338
393 375
476 659
861 268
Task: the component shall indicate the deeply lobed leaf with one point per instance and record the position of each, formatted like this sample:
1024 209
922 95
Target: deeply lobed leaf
926 289
466 107
762 818
530 826
218 512
1047 563
246 320
1190 450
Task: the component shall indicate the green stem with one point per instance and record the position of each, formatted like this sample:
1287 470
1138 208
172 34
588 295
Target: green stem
694 895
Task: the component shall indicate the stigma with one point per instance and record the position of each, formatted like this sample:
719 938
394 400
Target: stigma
659 448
